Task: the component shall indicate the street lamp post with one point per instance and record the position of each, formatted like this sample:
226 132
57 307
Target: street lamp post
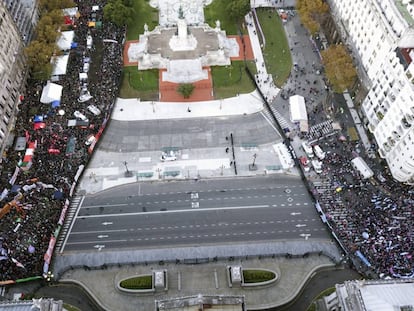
128 173
253 167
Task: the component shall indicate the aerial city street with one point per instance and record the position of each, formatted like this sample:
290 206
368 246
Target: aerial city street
166 143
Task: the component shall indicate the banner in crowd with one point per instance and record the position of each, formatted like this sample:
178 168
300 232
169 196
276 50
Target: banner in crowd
48 255
63 212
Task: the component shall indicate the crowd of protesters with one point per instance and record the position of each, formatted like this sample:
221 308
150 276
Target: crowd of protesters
373 218
35 196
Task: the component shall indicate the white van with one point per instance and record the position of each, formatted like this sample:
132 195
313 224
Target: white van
308 149
317 166
319 152
95 110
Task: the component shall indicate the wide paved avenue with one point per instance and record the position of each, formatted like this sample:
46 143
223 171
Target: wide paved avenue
145 215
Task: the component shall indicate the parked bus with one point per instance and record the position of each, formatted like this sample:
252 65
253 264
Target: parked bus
362 167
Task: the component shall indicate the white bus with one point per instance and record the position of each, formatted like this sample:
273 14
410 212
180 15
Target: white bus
362 167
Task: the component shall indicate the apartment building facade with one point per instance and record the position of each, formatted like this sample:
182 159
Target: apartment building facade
25 14
381 34
12 74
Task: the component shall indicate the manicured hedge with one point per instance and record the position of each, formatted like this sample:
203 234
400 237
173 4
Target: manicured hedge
257 276
139 282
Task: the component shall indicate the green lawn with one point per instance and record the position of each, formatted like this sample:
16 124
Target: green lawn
228 81
139 84
216 11
144 13
276 52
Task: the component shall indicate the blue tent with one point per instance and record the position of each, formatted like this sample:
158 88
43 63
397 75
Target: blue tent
74 45
38 119
55 103
58 195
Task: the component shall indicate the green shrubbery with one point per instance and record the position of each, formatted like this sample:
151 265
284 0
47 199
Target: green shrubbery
139 282
257 276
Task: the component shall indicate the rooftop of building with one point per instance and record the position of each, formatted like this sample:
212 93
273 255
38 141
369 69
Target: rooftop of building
383 295
201 302
402 8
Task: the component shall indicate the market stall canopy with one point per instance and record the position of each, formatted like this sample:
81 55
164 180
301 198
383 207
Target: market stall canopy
65 41
20 143
51 92
297 109
70 11
38 118
39 125
55 103
60 65
83 76
95 8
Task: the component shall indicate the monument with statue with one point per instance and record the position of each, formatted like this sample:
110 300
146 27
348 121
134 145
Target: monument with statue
182 43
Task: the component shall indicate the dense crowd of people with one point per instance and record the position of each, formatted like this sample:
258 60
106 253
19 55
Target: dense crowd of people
35 195
373 218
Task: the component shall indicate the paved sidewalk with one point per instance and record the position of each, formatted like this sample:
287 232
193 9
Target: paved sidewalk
207 279
133 109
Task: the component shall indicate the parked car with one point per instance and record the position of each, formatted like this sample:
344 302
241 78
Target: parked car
95 110
90 140
308 149
168 156
80 115
317 166
319 152
85 67
305 163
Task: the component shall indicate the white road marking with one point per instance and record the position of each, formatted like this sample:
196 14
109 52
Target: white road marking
109 205
99 231
71 225
94 242
174 211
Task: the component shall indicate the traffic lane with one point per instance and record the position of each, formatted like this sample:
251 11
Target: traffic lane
197 238
129 219
154 234
210 185
168 229
195 194
157 204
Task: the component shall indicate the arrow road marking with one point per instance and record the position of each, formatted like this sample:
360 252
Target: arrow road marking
107 223
295 213
300 225
102 236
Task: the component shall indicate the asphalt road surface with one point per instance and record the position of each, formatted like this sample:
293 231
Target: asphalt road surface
141 136
173 214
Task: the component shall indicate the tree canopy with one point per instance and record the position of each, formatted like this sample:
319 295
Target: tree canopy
237 9
50 5
39 54
120 12
311 13
40 50
339 68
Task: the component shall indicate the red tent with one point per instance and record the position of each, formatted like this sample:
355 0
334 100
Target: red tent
39 125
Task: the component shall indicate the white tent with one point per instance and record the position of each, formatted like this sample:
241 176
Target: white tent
60 65
65 41
51 92
83 76
297 109
70 11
